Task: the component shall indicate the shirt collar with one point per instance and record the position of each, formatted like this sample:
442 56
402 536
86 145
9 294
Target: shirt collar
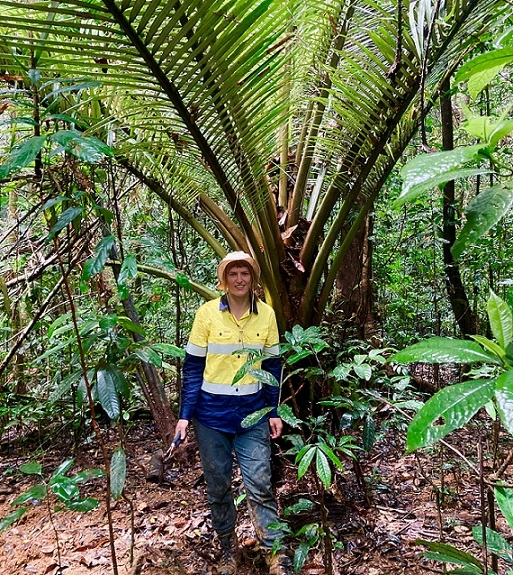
224 305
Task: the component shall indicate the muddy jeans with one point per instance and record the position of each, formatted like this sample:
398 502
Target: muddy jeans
253 451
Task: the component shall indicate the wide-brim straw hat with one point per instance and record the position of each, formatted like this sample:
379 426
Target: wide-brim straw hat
237 257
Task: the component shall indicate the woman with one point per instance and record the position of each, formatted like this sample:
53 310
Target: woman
223 331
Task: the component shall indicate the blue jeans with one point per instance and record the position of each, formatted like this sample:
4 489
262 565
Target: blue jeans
253 451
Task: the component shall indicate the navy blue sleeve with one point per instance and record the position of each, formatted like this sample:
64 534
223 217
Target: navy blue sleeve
272 392
193 368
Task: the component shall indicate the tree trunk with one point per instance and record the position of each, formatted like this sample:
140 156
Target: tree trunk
354 284
457 296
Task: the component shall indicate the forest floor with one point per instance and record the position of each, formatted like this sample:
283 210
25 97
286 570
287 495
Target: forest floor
376 522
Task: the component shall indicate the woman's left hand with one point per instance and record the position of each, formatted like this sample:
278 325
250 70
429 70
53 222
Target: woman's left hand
276 427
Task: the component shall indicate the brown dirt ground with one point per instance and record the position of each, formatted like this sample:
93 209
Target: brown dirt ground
173 536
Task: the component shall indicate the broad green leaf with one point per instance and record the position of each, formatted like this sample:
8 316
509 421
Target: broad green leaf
482 213
488 129
503 129
369 433
64 488
183 280
411 192
119 380
35 493
504 497
341 372
347 446
83 505
328 451
504 399
85 148
82 396
286 413
465 570
255 417
477 82
501 319
301 505
96 264
148 355
363 371
117 473
495 543
128 271
449 409
131 325
310 532
66 118
54 202
8 520
300 555
63 468
444 350
65 218
31 468
488 344
54 349
509 354
322 466
295 357
64 387
450 554
426 171
108 322
87 474
304 458
264 377
169 349
297 443
252 359
108 393
23 155
56 330
484 68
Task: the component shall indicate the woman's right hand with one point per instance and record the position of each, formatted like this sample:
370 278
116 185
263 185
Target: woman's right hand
181 428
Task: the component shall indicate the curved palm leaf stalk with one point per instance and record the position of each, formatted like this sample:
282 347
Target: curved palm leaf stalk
225 225
177 207
196 287
315 125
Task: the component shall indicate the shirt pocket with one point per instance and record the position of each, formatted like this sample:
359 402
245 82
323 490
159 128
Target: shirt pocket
254 337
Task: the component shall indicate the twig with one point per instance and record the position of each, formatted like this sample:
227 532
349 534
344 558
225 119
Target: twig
444 443
483 504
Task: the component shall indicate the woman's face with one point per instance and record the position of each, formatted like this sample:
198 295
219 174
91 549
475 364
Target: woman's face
239 280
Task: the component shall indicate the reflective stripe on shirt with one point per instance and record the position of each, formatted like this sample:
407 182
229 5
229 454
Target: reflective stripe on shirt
196 350
228 389
229 348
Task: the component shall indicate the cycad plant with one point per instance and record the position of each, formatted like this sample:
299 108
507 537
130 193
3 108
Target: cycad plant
280 120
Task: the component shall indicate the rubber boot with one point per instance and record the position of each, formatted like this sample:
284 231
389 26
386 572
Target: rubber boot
228 562
278 564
